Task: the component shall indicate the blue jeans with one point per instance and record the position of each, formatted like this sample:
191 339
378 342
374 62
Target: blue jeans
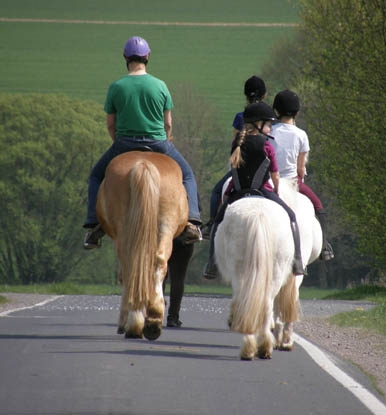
125 144
215 199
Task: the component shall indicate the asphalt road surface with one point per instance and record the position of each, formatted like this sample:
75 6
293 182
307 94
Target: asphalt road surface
65 357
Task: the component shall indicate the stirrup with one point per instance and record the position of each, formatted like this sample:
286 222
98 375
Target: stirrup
93 237
327 253
206 230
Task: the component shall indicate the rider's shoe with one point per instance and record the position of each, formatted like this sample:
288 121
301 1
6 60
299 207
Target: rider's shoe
210 270
173 321
191 234
327 253
93 237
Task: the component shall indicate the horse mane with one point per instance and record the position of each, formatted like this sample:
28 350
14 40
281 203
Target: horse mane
141 238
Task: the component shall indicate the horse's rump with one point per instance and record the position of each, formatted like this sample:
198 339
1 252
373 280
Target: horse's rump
142 206
254 251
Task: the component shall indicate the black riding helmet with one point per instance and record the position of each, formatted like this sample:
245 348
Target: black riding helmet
254 88
259 111
286 103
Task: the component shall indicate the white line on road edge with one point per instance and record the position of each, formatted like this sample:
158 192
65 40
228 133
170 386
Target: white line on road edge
5 313
358 390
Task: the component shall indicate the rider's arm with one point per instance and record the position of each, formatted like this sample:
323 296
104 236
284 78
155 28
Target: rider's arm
301 167
110 122
168 124
275 176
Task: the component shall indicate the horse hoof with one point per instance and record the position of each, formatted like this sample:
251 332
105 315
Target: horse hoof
129 335
246 358
152 331
286 347
264 355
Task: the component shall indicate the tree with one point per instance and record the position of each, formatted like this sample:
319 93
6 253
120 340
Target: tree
337 65
346 46
48 146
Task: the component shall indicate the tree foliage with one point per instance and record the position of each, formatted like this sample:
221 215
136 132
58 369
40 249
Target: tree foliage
337 65
48 146
346 43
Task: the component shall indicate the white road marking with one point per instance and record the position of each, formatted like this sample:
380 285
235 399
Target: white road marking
49 300
358 390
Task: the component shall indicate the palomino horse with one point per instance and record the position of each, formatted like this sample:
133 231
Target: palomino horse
142 205
254 251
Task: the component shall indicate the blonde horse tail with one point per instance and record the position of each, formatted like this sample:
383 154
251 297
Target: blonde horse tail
250 305
139 237
287 301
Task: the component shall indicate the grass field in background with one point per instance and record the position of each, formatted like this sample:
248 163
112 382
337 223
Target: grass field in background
242 11
81 60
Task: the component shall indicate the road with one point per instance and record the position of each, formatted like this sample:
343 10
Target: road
65 357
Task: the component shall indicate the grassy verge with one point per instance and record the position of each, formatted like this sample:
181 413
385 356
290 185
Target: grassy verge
72 288
374 319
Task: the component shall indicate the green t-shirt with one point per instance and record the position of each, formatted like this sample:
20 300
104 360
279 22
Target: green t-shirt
139 102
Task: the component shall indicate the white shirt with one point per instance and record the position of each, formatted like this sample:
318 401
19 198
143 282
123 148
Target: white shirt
289 142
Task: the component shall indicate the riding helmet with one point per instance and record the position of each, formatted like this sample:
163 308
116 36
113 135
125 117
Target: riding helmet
254 88
259 111
286 103
136 46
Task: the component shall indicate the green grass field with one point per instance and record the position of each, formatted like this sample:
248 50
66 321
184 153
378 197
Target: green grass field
81 60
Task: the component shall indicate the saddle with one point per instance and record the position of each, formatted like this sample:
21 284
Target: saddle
142 148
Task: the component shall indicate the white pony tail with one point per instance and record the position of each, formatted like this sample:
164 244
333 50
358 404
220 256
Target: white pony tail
253 277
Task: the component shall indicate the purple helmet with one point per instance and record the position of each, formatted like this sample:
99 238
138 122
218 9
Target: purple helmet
136 46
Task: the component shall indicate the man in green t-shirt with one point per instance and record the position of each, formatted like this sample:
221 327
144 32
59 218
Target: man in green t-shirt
138 108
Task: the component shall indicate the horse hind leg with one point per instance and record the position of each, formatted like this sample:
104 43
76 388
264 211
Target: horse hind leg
287 343
130 321
265 338
156 309
249 347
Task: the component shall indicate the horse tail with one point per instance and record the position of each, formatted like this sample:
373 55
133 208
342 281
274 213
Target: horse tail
287 301
139 238
251 303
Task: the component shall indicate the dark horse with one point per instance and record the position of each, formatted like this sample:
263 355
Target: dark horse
142 205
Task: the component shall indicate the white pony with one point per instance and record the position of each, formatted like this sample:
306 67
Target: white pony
254 252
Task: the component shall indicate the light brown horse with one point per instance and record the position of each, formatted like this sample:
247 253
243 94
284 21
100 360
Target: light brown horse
142 205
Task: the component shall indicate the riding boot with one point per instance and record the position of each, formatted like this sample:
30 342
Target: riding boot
297 266
327 252
210 270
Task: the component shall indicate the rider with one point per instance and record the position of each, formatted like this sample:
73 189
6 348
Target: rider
254 91
292 148
253 158
138 108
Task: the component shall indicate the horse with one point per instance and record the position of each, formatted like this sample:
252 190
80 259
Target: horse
254 252
142 206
